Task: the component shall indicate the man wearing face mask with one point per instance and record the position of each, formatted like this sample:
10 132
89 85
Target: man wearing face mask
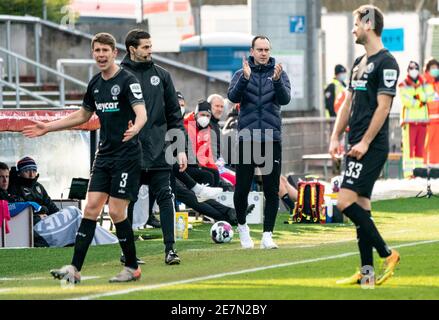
200 145
414 118
164 114
335 91
431 154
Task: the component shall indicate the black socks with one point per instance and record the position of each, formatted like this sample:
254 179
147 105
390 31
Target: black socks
125 234
288 202
365 246
368 230
84 237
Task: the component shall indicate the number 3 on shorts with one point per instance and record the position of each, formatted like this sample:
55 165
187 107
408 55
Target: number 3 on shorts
354 170
123 181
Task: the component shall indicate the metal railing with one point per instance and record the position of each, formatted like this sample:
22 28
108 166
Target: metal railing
38 22
60 63
12 55
27 92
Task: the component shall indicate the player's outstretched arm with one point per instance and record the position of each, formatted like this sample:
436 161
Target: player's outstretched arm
72 120
134 128
340 126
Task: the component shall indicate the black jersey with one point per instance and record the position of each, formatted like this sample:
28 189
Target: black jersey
112 100
369 78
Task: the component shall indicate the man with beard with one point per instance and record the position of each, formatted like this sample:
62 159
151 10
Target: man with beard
372 87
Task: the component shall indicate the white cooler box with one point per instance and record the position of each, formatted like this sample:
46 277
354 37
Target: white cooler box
256 198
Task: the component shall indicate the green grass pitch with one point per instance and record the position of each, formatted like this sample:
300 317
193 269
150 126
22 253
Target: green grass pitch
307 264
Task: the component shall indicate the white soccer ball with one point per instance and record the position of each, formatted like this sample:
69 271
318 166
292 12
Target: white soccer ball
221 232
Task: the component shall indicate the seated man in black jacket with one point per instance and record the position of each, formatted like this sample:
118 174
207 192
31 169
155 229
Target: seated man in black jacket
4 184
25 186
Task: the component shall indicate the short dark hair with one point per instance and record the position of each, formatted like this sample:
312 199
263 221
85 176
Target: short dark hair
3 166
259 37
132 38
431 62
373 14
104 38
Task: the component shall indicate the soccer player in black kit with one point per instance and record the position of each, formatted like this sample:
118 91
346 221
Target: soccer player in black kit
116 97
372 87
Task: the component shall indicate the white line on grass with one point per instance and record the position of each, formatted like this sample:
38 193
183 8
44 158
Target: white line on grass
220 275
44 278
308 245
6 290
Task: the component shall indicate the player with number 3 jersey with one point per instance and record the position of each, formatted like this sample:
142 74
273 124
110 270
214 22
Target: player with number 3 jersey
115 95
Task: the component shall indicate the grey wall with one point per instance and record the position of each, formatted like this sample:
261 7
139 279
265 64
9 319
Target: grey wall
271 18
311 135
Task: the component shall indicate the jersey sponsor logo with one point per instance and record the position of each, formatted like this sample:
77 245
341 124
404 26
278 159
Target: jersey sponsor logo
115 90
108 106
390 77
359 85
370 67
155 80
136 89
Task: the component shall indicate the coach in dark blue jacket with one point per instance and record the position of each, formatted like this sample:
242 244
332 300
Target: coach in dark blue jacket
261 87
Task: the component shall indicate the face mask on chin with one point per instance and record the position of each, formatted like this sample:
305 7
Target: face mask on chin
183 111
203 121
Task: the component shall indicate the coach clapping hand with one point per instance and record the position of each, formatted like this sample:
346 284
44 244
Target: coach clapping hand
277 72
246 69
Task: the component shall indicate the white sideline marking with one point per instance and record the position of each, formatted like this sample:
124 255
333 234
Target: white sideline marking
220 275
45 278
306 245
6 290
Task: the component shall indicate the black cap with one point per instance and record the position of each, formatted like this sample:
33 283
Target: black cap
339 69
203 105
413 65
180 95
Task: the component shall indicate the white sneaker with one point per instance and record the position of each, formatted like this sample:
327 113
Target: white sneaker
68 273
244 236
207 193
267 241
127 275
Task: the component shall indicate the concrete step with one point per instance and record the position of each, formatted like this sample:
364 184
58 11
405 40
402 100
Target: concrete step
42 93
72 95
37 103
32 86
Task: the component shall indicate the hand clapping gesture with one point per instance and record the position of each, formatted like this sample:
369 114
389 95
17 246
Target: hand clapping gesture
277 72
246 69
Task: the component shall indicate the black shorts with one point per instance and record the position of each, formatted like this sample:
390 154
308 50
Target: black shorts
118 178
360 175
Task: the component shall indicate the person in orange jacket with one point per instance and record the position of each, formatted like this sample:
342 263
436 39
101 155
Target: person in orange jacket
414 118
431 154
